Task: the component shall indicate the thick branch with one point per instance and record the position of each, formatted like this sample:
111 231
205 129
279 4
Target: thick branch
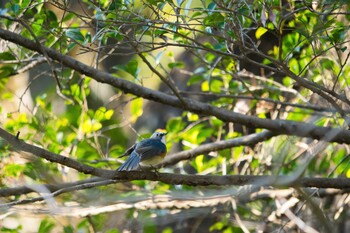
21 190
177 179
277 126
20 145
171 201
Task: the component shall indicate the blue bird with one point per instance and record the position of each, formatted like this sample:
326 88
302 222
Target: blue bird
146 153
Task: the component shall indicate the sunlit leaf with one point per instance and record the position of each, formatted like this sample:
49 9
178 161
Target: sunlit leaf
136 108
294 66
260 32
175 125
109 113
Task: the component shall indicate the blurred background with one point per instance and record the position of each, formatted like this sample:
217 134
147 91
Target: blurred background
269 59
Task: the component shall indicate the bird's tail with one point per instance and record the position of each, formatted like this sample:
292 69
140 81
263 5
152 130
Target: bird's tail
132 163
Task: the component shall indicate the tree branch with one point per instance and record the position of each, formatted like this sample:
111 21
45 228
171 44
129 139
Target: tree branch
20 145
177 179
173 201
248 140
21 190
277 126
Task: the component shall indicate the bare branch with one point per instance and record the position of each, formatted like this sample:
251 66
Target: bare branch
277 126
21 190
248 140
178 179
20 145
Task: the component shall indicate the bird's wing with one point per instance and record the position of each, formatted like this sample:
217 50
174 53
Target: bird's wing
150 147
132 163
128 151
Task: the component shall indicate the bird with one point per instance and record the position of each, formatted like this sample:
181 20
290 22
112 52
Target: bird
146 153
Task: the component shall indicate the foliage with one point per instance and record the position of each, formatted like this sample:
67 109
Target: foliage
277 60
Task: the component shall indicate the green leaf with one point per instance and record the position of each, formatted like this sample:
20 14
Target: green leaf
109 113
7 56
7 95
211 6
52 18
96 126
112 231
215 19
167 230
75 90
216 122
37 26
71 46
192 116
6 71
217 226
155 2
86 127
17 229
175 125
198 162
210 57
287 81
68 229
294 66
205 86
176 65
75 34
160 32
100 114
198 13
51 15
195 79
46 226
132 68
260 32
15 8
13 170
136 109
216 85
115 5
68 16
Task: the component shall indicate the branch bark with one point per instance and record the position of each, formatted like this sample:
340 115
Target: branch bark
177 179
21 190
276 126
171 201
20 145
248 140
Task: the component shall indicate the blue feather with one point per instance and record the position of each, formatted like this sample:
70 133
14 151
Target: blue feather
132 163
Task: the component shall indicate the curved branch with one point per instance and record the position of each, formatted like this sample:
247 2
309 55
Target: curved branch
177 179
248 140
21 190
66 187
20 145
172 201
277 126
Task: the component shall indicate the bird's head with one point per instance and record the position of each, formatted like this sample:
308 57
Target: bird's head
160 134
